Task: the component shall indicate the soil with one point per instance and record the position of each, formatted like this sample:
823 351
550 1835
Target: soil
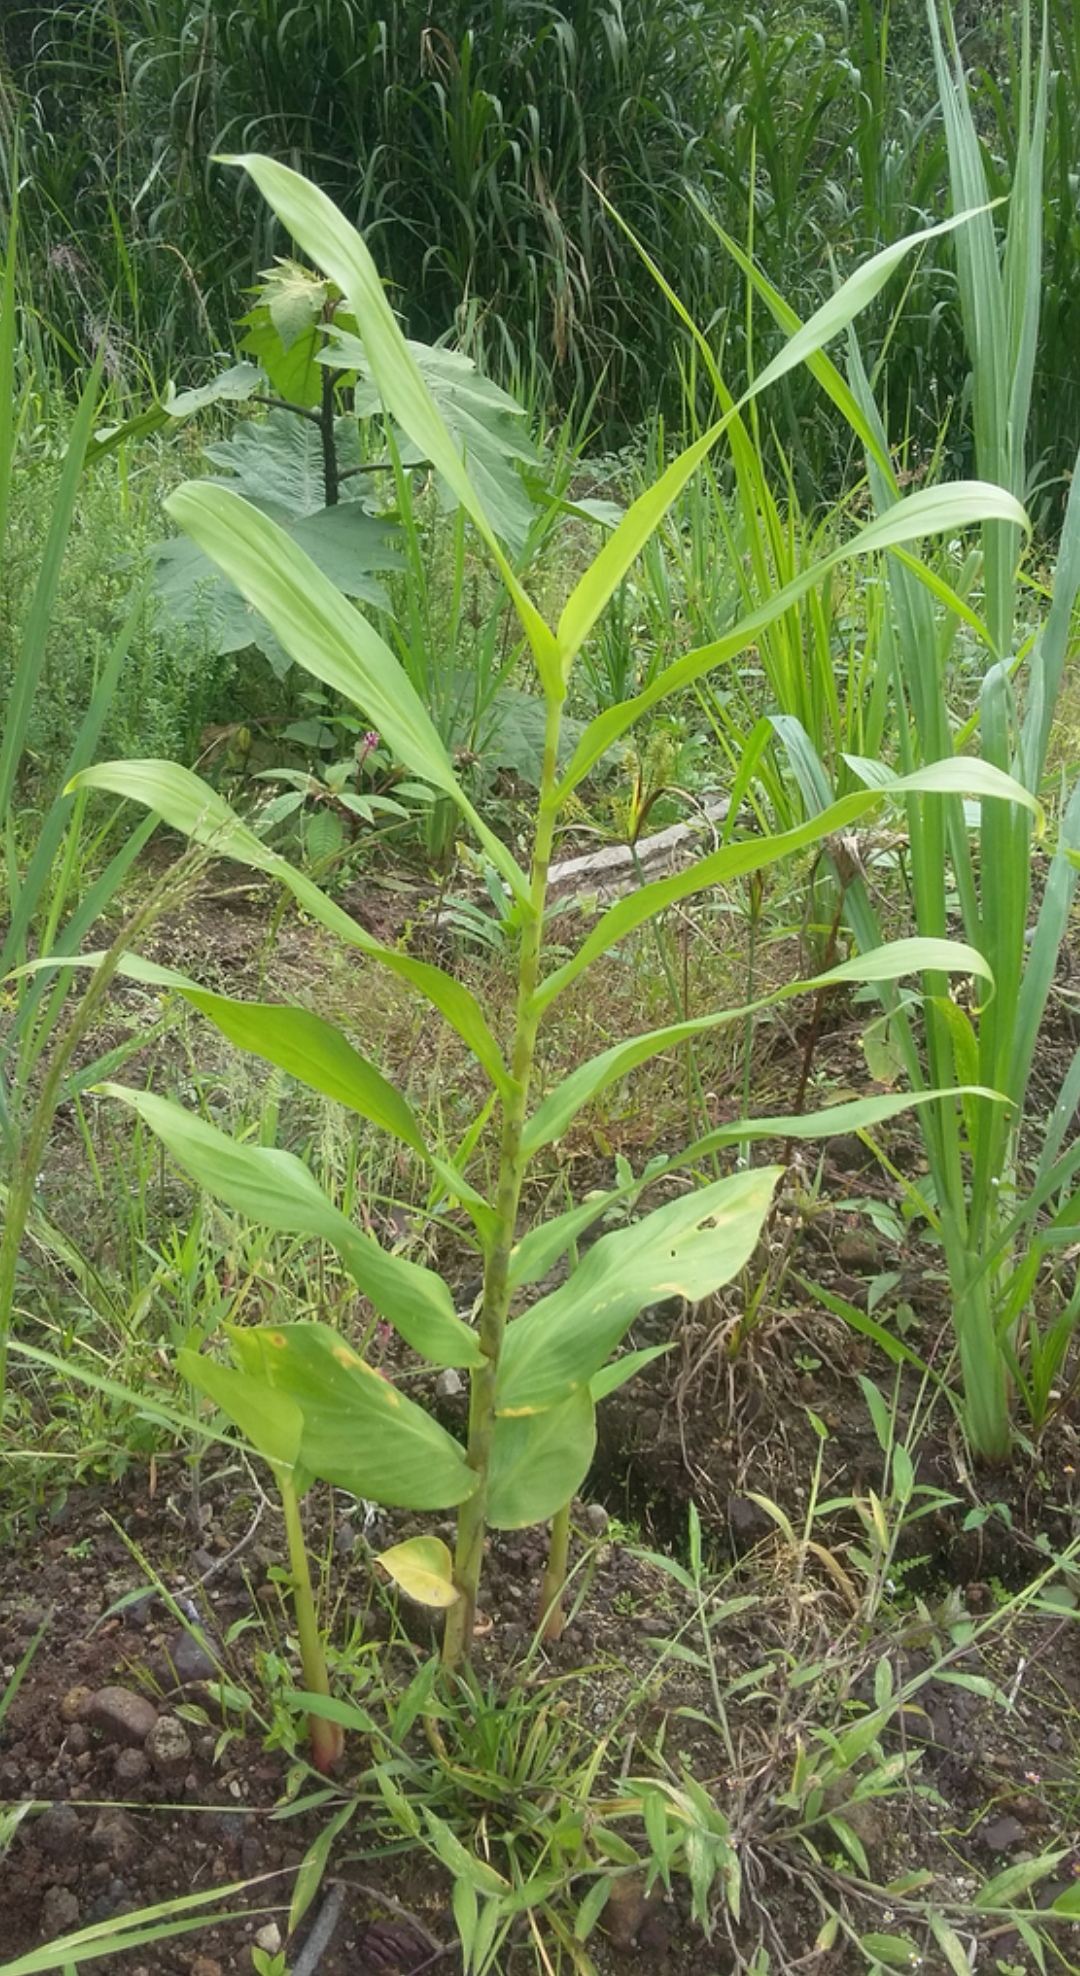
167 1585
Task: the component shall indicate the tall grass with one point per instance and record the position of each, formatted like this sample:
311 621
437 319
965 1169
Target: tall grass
476 147
999 1216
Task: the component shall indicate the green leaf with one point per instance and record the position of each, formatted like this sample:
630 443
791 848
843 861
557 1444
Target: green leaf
271 1421
611 1377
463 1863
424 1570
539 1460
540 1248
959 775
121 1933
960 504
285 333
851 1843
312 1868
903 1474
738 860
886 963
948 1941
484 422
359 1432
316 225
1004 1889
278 464
879 1412
687 1248
592 1907
276 1189
316 1052
466 1905
855 1115
322 632
232 386
896 1951
191 806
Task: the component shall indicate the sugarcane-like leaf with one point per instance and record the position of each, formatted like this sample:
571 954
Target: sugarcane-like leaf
191 806
277 1190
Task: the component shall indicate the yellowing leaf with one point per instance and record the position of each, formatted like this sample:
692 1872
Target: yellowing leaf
423 1569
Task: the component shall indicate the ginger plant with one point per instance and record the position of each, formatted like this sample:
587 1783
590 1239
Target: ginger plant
535 1378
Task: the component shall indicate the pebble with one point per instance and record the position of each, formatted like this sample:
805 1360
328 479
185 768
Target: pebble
130 1768
449 1384
77 1740
1001 1834
596 1519
268 1938
251 1854
204 1965
59 1912
114 1837
73 1703
168 1747
189 1660
57 1831
344 1540
121 1715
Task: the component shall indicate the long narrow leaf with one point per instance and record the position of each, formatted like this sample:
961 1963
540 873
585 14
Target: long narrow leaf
604 575
189 805
276 1189
328 636
930 511
963 776
885 963
316 224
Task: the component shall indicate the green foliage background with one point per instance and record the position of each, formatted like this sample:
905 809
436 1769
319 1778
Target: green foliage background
475 146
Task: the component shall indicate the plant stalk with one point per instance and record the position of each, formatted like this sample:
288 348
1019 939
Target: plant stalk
327 1738
472 1516
551 1616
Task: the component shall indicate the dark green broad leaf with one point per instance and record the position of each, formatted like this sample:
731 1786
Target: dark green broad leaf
277 462
359 1431
234 386
343 542
539 1461
284 332
276 1189
517 735
687 1248
487 425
